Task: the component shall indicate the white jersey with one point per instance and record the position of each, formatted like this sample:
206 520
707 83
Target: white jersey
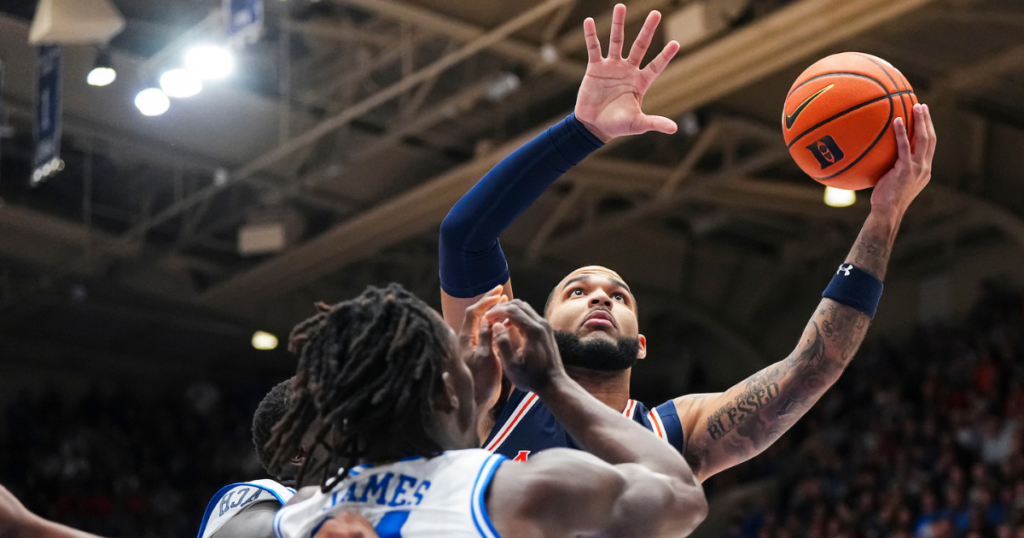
231 500
440 497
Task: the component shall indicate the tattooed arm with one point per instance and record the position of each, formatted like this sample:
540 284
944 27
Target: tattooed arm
725 429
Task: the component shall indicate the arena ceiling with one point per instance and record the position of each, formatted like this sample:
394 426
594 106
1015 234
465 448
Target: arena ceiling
363 121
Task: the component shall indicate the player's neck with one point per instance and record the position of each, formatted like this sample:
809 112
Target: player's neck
612 388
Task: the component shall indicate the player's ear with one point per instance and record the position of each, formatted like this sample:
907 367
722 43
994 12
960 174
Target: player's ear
450 399
299 458
642 352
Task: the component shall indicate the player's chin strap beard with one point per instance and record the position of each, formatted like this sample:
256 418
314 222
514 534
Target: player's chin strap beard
598 355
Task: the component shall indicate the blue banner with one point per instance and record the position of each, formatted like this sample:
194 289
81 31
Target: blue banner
48 113
244 20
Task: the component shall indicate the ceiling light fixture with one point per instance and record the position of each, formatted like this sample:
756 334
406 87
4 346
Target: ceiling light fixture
103 72
181 83
152 102
264 341
210 62
839 197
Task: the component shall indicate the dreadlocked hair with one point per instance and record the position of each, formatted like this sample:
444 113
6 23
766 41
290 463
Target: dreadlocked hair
370 368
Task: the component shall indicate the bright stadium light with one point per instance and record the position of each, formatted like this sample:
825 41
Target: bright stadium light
101 76
264 341
839 197
103 72
181 83
152 102
209 61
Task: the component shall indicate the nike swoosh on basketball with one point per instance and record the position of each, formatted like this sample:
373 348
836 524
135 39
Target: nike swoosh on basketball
791 119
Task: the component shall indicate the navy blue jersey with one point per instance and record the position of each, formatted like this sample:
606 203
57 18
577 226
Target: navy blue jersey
526 426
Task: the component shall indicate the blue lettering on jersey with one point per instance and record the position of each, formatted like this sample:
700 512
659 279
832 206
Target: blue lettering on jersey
373 486
241 497
225 502
400 489
350 495
378 486
390 525
423 487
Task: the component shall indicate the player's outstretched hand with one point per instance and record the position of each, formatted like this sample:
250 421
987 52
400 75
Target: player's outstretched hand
609 100
346 525
531 362
478 354
896 189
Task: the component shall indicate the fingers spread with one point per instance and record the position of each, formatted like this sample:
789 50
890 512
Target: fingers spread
643 41
593 43
660 62
618 32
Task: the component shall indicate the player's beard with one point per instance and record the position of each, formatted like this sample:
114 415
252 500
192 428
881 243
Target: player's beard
597 354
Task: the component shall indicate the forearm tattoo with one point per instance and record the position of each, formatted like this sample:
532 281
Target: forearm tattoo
768 403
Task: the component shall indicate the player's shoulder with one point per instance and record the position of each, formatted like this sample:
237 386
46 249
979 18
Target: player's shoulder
664 421
231 500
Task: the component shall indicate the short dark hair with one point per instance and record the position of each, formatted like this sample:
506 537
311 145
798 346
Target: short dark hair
371 368
271 410
551 297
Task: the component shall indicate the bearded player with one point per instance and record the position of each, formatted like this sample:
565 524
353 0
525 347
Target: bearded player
594 312
396 395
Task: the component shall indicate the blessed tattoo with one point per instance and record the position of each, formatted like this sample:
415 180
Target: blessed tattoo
758 394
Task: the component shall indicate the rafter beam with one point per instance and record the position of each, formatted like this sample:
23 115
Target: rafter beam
463 31
768 44
792 33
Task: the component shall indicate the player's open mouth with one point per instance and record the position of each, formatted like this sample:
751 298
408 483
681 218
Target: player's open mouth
599 319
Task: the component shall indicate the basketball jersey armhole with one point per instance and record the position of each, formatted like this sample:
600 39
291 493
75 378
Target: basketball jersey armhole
220 493
668 418
481 518
518 406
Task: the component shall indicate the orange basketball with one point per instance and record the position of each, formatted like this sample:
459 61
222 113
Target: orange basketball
837 121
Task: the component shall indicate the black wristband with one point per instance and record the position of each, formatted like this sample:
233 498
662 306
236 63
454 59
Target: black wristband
855 288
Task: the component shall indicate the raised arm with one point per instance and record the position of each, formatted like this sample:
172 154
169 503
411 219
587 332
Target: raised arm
623 487
725 429
608 106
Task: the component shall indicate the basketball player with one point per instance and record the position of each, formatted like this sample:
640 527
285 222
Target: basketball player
594 312
246 509
398 400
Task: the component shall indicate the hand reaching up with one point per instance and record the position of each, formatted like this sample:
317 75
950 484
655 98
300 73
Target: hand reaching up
613 89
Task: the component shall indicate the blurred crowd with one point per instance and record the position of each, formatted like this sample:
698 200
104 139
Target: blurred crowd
118 465
918 440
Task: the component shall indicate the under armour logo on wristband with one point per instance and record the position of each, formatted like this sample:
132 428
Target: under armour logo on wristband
845 268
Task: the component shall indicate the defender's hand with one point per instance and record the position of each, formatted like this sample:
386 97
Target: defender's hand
475 348
609 100
533 364
896 189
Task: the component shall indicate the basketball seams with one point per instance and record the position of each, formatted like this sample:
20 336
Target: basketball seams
892 111
835 74
843 113
858 66
894 83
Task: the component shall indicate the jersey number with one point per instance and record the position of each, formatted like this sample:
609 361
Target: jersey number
390 526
